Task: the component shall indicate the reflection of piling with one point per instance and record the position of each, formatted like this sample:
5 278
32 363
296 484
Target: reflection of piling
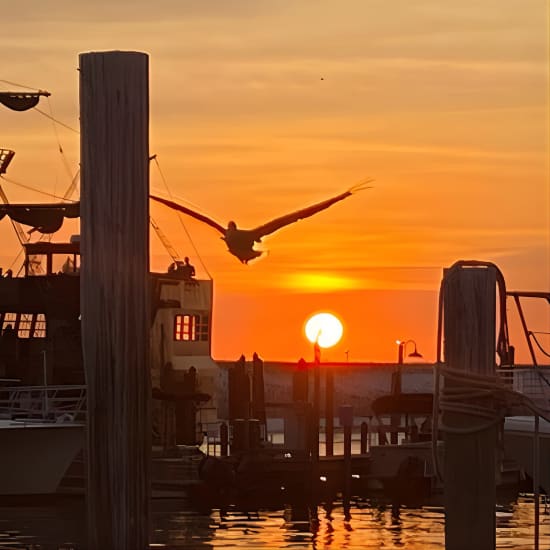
346 420
115 303
469 315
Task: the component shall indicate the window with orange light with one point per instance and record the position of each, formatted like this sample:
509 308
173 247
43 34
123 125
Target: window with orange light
191 328
26 325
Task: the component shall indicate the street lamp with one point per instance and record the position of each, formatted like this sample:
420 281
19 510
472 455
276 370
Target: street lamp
396 379
402 346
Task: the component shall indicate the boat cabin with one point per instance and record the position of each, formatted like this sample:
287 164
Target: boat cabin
40 341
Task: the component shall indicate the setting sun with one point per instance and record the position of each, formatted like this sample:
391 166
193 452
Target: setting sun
325 329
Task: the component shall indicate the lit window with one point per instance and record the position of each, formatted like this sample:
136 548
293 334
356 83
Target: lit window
26 325
9 320
191 328
39 326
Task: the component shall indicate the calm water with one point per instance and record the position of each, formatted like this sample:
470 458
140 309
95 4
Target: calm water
60 524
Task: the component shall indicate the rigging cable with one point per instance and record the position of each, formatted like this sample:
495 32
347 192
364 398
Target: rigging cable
181 219
18 85
539 345
28 187
59 147
56 120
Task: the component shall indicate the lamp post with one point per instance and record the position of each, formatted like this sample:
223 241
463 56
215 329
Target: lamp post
396 380
402 346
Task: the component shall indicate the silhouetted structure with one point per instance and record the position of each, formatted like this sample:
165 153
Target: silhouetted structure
184 270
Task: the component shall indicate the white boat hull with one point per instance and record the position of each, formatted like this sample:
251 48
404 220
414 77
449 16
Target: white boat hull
34 457
519 435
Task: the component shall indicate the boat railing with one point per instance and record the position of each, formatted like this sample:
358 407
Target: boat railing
531 381
47 403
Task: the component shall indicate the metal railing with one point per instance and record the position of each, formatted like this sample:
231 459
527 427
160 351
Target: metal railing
47 403
531 381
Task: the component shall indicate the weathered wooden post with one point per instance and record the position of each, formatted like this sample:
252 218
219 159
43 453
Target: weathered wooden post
329 411
364 437
300 388
469 311
258 392
239 391
224 439
315 425
346 420
114 119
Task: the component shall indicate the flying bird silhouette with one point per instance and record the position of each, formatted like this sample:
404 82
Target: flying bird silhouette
240 242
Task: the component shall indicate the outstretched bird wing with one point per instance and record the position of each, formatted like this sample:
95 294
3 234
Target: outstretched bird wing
277 223
189 212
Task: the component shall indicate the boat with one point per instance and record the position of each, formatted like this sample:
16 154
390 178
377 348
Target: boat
41 431
40 342
519 445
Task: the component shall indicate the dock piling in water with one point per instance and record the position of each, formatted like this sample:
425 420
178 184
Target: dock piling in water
469 421
115 301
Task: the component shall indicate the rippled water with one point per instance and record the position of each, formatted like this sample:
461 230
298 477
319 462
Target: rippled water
60 524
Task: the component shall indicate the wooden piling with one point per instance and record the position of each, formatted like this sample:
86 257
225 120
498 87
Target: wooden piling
239 390
364 437
469 300
314 426
258 392
346 420
224 439
329 412
300 384
115 302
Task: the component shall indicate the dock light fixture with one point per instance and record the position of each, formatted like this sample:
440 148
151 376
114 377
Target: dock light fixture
402 346
396 376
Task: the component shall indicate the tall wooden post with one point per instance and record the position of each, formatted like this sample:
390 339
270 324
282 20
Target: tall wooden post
469 297
329 411
346 420
115 302
314 427
258 391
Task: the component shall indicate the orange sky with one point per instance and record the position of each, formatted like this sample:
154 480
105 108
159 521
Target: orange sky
259 108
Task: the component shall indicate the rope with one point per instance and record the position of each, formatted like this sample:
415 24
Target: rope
539 345
495 396
28 187
181 220
19 85
59 147
55 120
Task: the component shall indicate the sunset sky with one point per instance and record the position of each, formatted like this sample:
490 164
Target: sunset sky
262 107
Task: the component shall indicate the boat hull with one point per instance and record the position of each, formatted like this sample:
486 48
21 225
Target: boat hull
35 457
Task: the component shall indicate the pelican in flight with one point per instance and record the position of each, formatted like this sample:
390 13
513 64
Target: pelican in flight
240 242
